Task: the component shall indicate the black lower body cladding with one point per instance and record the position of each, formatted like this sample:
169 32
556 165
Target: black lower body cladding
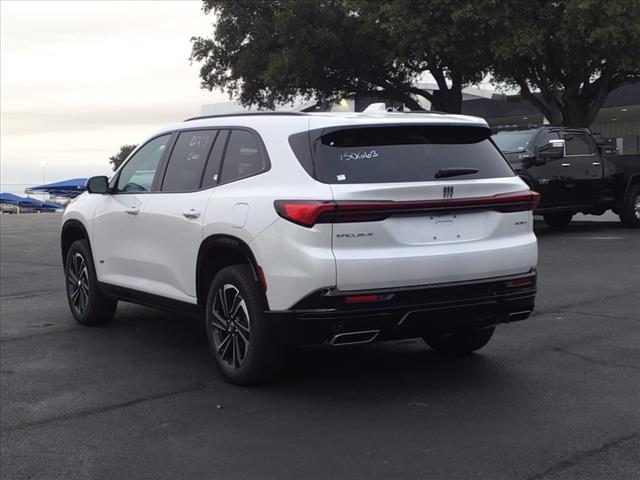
332 317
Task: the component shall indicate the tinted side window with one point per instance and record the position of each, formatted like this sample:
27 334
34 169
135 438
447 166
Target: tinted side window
187 160
577 144
244 156
212 170
138 174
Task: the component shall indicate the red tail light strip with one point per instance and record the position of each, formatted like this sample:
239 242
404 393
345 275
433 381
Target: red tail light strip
309 212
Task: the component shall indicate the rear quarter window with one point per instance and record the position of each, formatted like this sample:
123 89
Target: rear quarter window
389 154
244 156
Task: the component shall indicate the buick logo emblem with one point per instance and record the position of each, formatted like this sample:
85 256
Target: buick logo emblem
447 192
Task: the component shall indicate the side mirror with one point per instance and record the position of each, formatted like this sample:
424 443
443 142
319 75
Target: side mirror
98 185
553 149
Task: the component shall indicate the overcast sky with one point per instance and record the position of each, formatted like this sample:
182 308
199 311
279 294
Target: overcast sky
79 79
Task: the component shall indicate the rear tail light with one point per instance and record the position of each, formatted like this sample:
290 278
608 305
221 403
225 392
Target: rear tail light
309 212
303 212
519 202
535 200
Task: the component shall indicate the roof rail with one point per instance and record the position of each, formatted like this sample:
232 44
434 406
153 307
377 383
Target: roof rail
243 114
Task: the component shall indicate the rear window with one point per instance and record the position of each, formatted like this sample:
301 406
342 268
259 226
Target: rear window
389 154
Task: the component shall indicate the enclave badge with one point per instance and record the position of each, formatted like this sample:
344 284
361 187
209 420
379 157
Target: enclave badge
447 192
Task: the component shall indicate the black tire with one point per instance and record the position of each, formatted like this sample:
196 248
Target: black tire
558 220
461 343
630 212
240 342
89 306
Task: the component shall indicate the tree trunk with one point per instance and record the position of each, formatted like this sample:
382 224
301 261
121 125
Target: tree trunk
449 100
545 103
574 116
580 111
411 103
446 99
571 108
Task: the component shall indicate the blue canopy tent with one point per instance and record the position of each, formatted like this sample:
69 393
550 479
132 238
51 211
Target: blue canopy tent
67 188
30 203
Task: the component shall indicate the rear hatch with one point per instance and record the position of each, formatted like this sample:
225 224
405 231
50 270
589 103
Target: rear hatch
421 204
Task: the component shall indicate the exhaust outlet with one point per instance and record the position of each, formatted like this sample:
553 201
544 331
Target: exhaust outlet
353 338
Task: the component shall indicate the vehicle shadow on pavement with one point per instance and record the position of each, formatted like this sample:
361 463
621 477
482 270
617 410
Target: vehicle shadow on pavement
408 365
542 229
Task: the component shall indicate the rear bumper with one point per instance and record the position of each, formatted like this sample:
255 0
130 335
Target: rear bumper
325 317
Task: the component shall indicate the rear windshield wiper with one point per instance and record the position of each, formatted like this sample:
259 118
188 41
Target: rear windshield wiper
454 172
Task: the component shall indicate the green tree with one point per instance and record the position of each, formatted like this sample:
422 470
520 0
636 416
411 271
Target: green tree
440 37
117 159
273 51
565 56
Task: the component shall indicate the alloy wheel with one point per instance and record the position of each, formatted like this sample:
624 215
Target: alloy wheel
231 326
78 278
636 206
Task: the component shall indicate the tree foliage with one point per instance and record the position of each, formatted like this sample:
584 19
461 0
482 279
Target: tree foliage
117 159
441 37
574 52
565 56
272 51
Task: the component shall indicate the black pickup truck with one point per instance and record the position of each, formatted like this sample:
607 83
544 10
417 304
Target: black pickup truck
574 171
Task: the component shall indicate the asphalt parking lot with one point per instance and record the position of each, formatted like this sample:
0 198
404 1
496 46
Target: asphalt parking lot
554 397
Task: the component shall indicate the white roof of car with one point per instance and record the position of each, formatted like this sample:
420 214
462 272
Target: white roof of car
300 121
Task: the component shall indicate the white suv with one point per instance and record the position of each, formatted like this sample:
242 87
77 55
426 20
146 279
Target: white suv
295 229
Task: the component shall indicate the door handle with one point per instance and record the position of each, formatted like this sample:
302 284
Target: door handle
191 213
132 210
565 165
595 164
